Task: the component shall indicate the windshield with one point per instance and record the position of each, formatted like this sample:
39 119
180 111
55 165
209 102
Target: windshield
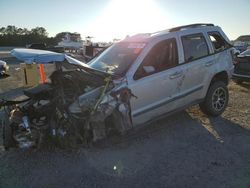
117 58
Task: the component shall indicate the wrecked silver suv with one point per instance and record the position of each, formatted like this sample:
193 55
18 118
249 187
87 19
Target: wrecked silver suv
132 82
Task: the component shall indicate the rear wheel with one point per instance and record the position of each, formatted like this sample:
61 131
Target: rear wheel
216 99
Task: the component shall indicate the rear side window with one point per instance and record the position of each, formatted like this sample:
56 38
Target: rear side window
195 47
219 43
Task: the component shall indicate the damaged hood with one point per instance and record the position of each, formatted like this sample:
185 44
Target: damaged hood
86 67
43 57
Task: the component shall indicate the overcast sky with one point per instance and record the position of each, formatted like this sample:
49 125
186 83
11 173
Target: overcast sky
108 19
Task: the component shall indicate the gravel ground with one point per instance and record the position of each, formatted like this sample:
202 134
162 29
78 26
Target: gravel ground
187 149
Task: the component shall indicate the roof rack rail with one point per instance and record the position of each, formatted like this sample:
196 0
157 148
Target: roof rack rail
190 26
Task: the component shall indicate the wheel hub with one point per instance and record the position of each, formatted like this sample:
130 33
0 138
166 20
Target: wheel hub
219 99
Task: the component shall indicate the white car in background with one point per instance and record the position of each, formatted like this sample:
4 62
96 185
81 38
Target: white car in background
3 67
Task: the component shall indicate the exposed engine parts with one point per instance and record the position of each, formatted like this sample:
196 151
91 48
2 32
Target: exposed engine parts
76 107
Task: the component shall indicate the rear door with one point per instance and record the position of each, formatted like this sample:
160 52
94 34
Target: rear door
221 51
195 67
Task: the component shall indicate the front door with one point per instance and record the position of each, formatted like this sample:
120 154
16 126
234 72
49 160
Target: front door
155 83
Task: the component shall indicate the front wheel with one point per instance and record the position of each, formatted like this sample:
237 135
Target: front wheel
216 99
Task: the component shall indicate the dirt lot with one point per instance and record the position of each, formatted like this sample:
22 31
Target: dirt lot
187 149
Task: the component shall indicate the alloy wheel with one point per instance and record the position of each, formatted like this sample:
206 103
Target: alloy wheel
219 98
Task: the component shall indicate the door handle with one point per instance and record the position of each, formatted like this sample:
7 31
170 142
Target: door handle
207 64
175 75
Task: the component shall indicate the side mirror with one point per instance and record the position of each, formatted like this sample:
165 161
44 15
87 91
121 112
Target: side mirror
144 71
148 69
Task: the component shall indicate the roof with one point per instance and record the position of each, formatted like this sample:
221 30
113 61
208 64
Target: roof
145 37
142 37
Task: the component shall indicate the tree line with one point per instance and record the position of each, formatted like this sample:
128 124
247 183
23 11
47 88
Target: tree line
14 36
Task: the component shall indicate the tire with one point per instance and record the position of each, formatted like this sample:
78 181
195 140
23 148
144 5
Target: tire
216 99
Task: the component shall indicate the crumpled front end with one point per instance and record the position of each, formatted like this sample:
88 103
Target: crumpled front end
76 108
108 110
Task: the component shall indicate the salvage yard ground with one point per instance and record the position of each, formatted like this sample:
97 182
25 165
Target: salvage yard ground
187 149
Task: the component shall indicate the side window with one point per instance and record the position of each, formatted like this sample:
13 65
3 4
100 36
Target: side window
219 43
162 56
195 47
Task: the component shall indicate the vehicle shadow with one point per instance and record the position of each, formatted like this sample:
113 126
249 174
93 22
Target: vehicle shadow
178 150
245 85
217 129
185 143
216 125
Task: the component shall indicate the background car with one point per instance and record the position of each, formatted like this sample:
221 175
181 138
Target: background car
43 46
242 43
3 67
242 67
241 46
244 38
